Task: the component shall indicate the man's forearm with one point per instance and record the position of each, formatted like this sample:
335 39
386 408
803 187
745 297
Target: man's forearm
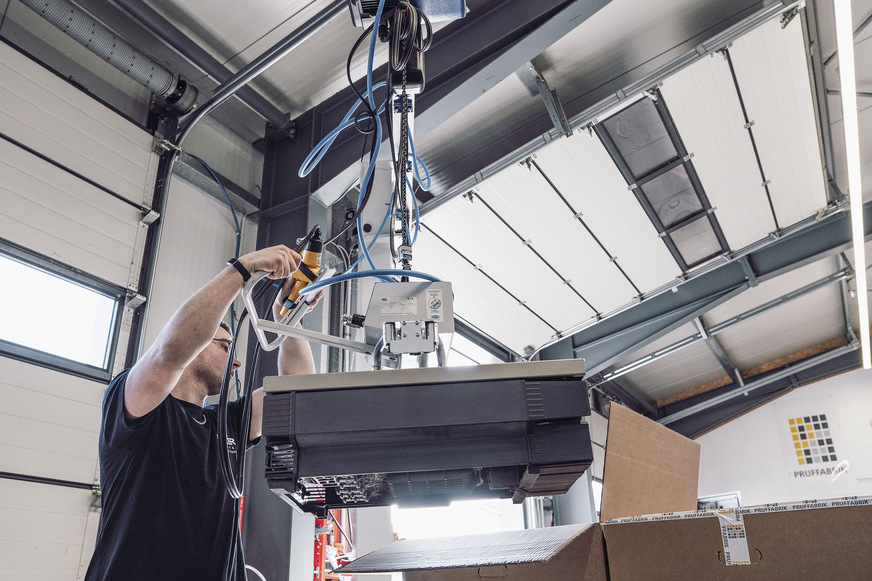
295 357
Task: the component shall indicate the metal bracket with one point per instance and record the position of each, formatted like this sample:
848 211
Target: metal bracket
149 218
536 84
788 16
749 272
134 300
97 500
160 145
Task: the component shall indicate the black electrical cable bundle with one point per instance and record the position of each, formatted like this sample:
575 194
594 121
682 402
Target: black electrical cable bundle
234 473
403 25
405 36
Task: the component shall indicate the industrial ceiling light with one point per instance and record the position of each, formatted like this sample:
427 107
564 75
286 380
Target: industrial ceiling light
845 46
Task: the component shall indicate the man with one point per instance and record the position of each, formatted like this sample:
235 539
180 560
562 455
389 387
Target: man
166 512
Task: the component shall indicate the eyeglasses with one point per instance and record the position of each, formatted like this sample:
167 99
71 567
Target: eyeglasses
224 343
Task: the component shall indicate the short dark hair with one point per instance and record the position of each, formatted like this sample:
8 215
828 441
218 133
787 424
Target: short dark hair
226 327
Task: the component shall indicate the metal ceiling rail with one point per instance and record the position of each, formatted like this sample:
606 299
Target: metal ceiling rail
605 343
577 215
163 29
723 326
718 351
248 73
526 242
817 70
748 126
786 371
846 313
489 277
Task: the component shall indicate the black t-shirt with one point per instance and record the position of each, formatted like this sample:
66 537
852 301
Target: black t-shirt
166 512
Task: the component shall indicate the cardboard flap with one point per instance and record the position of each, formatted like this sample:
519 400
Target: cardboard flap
483 550
649 469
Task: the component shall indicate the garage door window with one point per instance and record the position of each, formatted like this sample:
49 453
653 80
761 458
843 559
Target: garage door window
55 316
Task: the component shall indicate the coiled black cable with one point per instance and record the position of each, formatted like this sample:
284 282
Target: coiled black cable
234 473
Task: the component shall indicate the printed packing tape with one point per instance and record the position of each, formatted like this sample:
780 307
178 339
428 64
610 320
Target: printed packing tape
734 538
731 521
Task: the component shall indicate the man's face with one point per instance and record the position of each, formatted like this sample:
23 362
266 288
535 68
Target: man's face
210 363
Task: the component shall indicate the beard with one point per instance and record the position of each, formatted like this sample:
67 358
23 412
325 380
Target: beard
210 377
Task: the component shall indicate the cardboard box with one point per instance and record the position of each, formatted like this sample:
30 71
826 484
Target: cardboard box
650 470
807 540
546 553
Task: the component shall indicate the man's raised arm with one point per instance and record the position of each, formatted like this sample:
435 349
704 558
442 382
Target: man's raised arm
192 327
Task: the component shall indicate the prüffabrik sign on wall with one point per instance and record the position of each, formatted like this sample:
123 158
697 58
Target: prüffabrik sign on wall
814 446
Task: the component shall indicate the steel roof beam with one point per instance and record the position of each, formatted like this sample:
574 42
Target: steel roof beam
709 333
710 418
718 351
606 342
629 395
785 373
468 57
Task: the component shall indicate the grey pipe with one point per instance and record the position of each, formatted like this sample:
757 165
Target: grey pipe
261 63
192 51
87 31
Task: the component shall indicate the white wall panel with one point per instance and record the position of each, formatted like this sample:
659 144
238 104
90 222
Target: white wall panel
226 154
197 239
49 115
771 68
49 422
754 454
703 102
51 212
49 425
585 174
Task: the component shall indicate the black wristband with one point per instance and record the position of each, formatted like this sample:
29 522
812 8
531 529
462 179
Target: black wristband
240 268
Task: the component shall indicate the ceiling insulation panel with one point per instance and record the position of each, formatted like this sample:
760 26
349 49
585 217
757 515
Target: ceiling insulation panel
212 21
582 170
807 321
489 243
300 80
478 300
703 102
685 369
524 199
771 69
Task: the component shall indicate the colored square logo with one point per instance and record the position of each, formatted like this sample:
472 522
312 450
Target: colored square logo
811 439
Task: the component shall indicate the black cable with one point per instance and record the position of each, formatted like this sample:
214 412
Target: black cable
234 475
354 48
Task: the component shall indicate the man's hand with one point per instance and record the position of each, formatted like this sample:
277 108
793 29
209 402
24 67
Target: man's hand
280 261
286 290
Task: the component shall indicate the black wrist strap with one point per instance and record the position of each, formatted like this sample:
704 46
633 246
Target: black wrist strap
241 269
